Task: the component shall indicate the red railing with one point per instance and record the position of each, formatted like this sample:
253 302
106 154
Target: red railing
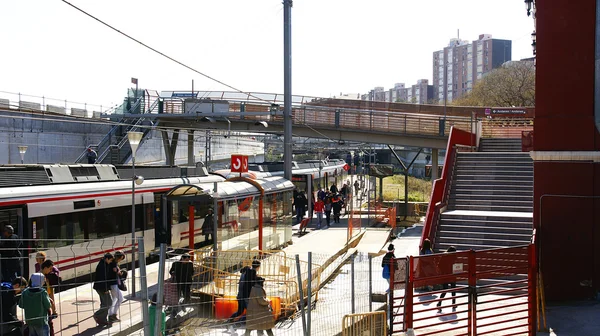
466 293
441 186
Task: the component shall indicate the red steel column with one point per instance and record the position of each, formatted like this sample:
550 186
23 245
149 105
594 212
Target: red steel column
532 279
472 308
260 223
191 227
408 310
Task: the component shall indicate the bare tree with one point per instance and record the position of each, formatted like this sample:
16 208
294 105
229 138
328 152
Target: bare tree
511 85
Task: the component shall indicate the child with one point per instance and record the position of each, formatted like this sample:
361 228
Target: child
36 304
386 263
152 316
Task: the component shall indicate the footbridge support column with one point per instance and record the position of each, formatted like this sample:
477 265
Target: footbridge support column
170 146
190 148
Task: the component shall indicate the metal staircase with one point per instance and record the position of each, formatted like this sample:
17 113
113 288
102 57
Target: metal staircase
114 147
491 198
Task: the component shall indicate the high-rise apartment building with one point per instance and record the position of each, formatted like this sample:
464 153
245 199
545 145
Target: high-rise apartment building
458 66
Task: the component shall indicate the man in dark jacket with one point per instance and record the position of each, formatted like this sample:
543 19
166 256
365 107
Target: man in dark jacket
182 271
207 227
102 285
9 247
247 278
10 294
301 202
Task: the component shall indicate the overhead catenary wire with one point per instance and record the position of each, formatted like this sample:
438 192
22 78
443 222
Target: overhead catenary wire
161 53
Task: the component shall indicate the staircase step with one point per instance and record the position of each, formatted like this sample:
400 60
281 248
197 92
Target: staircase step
486 235
493 172
454 203
496 163
492 197
475 207
483 228
463 246
487 216
492 182
486 189
479 242
502 167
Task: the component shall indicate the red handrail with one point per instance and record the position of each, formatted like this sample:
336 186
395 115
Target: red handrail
441 186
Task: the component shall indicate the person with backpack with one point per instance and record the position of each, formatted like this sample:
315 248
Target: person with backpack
36 304
386 264
337 205
10 293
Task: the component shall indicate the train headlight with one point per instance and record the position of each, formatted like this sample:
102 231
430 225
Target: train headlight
139 180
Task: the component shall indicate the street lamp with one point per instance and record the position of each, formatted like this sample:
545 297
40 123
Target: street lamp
533 38
134 141
22 151
528 4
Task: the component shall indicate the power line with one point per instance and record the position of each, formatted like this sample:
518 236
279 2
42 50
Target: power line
161 53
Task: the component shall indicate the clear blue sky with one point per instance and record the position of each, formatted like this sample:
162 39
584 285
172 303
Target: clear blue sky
49 48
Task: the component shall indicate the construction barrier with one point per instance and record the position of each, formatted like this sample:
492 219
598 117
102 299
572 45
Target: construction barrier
372 324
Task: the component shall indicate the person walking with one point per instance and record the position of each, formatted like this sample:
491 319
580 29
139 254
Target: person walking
338 204
207 227
182 271
247 278
356 187
116 276
102 285
386 264
328 208
91 155
333 189
152 317
425 267
10 293
301 202
259 316
445 267
36 304
319 207
9 249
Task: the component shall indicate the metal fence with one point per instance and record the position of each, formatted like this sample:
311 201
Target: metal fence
69 300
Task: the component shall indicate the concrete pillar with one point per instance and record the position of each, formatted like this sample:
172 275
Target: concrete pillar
190 148
434 164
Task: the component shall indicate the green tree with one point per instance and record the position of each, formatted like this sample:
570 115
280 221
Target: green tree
511 85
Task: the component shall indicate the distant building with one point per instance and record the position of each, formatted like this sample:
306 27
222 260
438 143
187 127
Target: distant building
461 64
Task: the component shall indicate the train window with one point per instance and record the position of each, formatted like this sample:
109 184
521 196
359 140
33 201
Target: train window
68 229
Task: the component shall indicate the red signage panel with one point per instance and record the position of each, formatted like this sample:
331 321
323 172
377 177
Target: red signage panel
239 163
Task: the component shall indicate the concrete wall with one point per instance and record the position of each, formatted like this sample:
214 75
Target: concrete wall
151 151
51 140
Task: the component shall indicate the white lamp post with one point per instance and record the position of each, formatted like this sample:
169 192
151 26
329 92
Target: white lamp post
22 151
134 141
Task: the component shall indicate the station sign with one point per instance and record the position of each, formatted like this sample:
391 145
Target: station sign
239 163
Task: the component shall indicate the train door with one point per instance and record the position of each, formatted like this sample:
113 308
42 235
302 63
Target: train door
15 217
162 213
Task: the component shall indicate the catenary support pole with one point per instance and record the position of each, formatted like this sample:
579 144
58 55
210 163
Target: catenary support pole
133 226
301 295
287 89
161 286
309 294
144 286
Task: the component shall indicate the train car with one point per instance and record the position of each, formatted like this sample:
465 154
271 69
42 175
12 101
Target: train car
77 213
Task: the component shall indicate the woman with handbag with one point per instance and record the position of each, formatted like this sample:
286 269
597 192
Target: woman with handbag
116 278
